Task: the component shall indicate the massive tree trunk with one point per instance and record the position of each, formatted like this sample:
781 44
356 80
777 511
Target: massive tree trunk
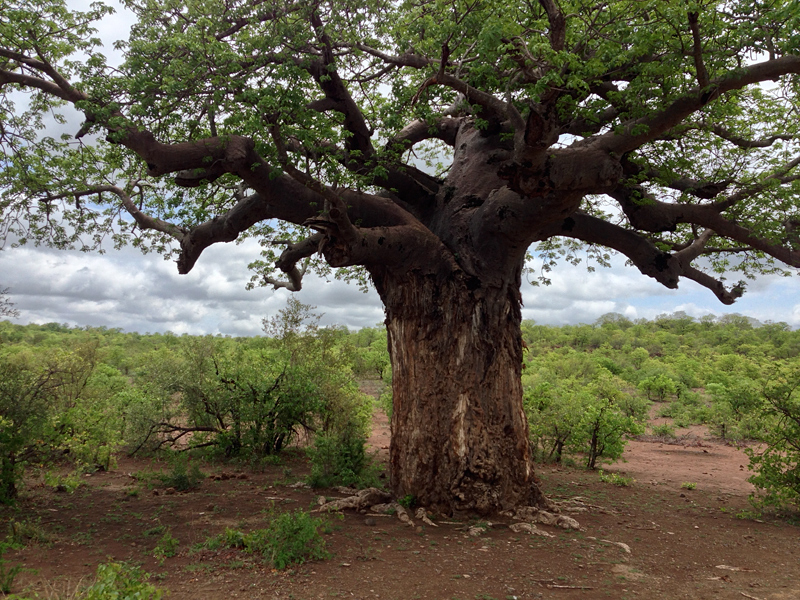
459 432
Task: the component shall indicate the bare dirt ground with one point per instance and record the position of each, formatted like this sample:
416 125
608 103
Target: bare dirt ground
683 543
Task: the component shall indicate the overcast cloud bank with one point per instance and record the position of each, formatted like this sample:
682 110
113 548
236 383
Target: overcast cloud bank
144 293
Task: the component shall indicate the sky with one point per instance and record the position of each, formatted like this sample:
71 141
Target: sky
125 289
134 292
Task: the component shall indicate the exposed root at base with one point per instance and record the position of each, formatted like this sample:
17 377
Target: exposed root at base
380 502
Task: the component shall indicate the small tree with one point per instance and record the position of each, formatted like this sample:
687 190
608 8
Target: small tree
254 397
658 387
777 465
6 306
23 416
608 418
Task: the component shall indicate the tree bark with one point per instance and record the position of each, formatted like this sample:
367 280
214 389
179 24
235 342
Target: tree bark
459 433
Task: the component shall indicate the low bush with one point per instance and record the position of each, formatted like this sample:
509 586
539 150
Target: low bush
116 581
7 572
167 547
615 479
340 458
777 464
183 477
291 538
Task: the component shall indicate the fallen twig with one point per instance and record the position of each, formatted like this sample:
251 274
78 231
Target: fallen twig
568 587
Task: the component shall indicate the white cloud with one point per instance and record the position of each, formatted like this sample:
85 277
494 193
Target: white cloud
144 293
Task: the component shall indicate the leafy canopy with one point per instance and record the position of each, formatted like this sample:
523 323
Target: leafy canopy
664 130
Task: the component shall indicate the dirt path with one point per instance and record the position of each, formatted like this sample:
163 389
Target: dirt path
684 544
693 458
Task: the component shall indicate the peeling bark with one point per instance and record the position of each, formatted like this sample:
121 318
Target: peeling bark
459 433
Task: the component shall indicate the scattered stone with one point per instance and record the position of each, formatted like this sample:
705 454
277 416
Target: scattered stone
566 522
531 514
370 522
170 491
529 528
476 531
575 509
622 545
729 568
299 485
321 500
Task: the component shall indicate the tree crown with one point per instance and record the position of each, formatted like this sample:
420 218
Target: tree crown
381 134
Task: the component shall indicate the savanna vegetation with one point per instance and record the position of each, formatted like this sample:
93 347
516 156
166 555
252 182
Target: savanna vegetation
431 149
588 387
85 395
75 400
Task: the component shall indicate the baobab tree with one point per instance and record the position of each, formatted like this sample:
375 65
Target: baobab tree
428 146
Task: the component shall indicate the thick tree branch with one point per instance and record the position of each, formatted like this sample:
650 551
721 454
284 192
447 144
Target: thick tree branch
493 106
746 143
144 221
406 59
647 214
558 28
665 268
640 131
270 14
48 87
697 51
444 129
294 253
699 189
694 249
724 295
590 125
328 79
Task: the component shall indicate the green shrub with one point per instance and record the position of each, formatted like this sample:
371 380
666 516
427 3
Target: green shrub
574 406
291 538
23 418
340 458
182 477
53 405
249 398
167 547
7 573
615 479
777 465
665 430
230 538
116 581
